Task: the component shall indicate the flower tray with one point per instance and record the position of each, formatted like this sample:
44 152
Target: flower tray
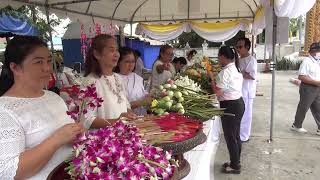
184 146
59 173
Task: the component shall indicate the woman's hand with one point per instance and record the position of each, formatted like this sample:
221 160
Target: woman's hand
166 66
147 100
68 133
128 115
211 75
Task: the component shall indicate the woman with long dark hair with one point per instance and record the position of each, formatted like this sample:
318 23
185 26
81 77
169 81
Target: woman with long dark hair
228 85
35 131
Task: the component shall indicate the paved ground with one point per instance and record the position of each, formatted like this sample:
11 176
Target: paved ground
290 156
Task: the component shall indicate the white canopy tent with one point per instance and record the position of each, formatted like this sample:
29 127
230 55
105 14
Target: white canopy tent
123 12
133 11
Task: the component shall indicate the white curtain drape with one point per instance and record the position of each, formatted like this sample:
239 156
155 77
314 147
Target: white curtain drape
293 8
221 34
164 35
215 32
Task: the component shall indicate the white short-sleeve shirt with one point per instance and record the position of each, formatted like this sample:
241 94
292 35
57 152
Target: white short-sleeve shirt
24 124
249 65
229 80
110 108
160 78
134 90
310 67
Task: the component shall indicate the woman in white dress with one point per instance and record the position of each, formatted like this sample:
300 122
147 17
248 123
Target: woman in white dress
136 94
162 69
35 131
101 59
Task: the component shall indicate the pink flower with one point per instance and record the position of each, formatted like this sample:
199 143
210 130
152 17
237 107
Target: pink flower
117 152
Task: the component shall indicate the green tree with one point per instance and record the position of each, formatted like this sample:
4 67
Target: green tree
294 25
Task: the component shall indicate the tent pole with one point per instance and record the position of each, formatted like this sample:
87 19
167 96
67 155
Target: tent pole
51 41
274 59
252 45
131 35
122 37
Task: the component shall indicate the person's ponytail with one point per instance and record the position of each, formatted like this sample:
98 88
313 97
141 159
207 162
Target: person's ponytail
236 59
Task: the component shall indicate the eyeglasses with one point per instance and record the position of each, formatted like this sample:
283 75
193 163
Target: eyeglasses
129 62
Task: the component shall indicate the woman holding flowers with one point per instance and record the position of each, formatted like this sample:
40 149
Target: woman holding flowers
101 59
136 94
35 131
162 69
228 86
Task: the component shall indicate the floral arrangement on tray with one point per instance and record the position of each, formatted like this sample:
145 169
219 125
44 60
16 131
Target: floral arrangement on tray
198 71
192 103
118 152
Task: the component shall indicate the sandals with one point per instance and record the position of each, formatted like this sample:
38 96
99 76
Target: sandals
229 170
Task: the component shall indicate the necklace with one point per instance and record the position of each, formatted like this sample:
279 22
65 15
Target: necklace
118 89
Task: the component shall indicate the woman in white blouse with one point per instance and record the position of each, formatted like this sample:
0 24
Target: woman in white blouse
133 83
101 59
228 86
35 131
162 69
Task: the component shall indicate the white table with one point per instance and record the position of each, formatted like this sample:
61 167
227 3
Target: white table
201 158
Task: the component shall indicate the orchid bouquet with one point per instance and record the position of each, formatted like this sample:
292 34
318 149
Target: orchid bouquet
83 100
118 152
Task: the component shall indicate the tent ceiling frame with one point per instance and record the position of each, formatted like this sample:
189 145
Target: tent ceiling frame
160 16
54 6
70 2
136 10
196 19
248 6
188 9
88 6
219 8
72 11
116 8
255 3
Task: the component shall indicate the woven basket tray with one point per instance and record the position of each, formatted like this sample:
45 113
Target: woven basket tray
184 146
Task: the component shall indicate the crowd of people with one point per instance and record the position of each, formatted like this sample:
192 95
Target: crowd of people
36 133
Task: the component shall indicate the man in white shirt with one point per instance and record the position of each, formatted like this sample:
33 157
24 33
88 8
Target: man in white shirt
309 74
248 67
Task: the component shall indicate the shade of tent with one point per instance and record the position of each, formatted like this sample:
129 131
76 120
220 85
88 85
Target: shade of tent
133 11
154 11
10 26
